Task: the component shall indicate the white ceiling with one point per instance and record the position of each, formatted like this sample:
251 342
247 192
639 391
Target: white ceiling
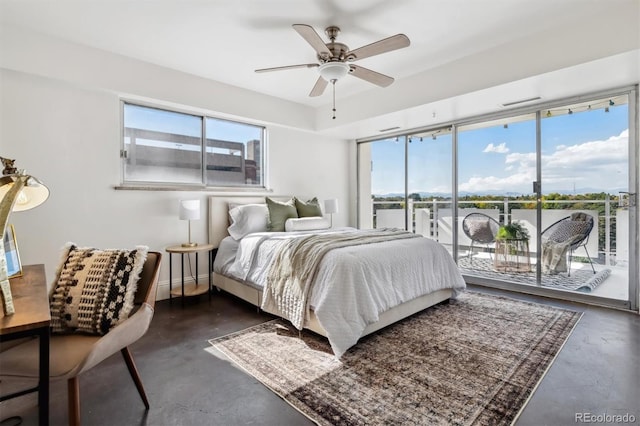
225 40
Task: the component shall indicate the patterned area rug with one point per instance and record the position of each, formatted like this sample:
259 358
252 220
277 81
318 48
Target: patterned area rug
582 280
474 361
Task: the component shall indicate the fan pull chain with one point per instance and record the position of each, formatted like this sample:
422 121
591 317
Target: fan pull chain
333 82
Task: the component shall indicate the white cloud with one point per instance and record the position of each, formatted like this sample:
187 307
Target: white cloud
596 164
492 183
500 149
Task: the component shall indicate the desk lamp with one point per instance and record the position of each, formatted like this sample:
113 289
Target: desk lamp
18 192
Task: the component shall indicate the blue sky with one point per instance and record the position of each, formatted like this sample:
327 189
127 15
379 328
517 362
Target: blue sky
189 125
584 150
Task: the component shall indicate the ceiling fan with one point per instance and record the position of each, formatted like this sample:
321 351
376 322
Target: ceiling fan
335 59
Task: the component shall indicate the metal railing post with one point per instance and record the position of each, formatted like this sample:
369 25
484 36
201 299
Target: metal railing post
505 219
607 225
434 227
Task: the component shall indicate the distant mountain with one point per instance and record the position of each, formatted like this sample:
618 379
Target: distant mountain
446 194
577 191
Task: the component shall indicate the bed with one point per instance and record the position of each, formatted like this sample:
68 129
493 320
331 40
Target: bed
356 289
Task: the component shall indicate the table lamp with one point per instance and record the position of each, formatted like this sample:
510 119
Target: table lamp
331 207
18 192
189 210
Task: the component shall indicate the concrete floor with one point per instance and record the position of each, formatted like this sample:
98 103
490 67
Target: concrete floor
597 372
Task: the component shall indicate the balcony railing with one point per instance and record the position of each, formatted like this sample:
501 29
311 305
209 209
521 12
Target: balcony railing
608 240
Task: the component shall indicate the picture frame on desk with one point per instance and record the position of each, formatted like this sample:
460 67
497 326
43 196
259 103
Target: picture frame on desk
11 253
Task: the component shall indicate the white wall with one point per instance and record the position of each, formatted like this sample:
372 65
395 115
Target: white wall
68 135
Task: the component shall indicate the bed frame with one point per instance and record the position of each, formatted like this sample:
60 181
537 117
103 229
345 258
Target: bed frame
218 224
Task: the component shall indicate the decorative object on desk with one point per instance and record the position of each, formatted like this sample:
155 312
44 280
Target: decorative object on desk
8 165
18 192
12 256
331 207
189 210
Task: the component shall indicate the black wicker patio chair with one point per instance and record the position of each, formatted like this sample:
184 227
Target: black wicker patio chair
480 229
572 231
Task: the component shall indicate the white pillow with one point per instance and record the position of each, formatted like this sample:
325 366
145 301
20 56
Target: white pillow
306 224
248 218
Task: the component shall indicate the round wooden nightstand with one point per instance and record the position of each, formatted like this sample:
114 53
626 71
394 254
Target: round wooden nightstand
191 289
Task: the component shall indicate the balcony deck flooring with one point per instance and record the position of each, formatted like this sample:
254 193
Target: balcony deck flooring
615 286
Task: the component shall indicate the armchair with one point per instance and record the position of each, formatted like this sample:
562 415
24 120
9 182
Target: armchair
73 354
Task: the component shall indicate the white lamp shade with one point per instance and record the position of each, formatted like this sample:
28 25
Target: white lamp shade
32 194
189 209
331 206
333 70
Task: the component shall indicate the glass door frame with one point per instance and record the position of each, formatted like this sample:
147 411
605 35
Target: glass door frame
632 303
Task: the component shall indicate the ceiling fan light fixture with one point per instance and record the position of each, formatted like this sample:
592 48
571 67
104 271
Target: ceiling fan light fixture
331 71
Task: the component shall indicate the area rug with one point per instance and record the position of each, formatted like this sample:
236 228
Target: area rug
473 361
582 280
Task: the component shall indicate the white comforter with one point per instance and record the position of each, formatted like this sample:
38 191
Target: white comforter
354 285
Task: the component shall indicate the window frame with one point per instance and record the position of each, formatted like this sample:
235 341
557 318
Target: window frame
202 186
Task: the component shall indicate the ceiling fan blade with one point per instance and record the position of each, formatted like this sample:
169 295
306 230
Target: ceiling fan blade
319 87
311 36
371 76
288 67
397 41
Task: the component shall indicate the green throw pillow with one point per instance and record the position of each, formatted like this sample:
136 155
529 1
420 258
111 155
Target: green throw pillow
309 209
279 213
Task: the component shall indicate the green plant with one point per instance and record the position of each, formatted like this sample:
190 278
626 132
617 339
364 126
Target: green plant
512 231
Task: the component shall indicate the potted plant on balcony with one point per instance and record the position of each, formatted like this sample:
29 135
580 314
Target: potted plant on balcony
512 248
513 231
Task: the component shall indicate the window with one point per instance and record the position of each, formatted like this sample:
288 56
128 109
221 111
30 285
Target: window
175 148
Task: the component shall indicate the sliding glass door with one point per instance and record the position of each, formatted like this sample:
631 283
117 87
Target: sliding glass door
382 184
541 200
405 182
585 186
496 168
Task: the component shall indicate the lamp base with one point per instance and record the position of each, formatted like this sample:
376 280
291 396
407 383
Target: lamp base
189 244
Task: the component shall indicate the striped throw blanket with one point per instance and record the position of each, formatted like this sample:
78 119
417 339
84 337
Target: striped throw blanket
296 262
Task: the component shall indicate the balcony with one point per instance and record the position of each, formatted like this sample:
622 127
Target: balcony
607 245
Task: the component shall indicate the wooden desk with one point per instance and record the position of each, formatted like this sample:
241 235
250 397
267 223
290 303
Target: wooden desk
32 318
